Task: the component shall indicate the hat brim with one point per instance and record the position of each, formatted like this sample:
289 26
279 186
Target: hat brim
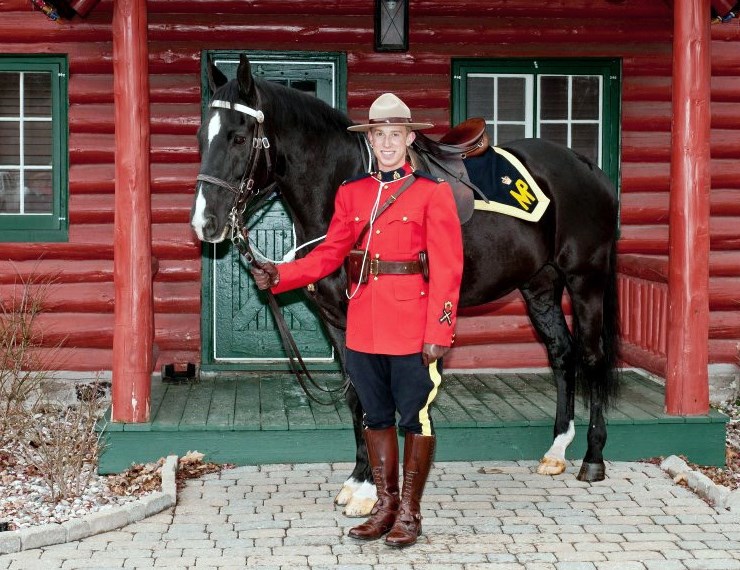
412 126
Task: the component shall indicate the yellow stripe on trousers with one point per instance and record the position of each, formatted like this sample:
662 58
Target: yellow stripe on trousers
436 378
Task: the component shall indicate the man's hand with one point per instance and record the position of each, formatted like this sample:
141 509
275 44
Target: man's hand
265 275
432 352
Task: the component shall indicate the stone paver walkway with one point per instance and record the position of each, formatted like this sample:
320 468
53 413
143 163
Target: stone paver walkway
507 518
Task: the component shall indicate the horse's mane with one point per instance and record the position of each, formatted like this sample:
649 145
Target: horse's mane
303 111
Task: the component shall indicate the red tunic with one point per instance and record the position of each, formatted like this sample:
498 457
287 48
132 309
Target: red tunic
392 314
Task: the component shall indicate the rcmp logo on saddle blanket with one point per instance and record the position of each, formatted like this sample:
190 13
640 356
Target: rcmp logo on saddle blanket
507 184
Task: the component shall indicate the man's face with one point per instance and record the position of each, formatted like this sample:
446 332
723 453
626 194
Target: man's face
389 145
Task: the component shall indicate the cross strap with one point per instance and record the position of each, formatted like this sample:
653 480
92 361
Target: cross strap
385 205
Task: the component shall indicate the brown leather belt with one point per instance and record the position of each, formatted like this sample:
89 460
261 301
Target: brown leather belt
381 267
359 274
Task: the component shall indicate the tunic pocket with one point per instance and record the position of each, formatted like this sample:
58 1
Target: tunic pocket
408 227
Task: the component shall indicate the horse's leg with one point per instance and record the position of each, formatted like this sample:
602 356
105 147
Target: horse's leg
587 293
358 494
543 295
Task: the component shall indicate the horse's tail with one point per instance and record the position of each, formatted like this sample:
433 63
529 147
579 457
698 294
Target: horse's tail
600 381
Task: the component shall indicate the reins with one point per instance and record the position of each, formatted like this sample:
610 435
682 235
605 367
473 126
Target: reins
248 197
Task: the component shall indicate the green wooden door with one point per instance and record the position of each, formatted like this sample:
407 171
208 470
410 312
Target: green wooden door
238 329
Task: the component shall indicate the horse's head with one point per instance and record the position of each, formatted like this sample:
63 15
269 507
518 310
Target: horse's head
234 158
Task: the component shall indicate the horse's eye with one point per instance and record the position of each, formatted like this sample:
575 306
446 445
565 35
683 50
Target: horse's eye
238 139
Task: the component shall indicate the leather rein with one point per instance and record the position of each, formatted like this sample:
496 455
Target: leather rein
247 196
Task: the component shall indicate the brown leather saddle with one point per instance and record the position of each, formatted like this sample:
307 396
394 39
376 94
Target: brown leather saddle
444 159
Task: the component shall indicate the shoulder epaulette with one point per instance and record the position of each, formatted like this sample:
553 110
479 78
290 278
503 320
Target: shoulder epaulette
423 174
356 178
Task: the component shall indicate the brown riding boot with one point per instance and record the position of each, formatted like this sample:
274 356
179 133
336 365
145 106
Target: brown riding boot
382 451
418 453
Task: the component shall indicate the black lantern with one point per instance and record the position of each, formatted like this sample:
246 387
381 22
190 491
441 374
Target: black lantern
391 25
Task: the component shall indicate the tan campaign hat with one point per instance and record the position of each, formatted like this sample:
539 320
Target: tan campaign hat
389 110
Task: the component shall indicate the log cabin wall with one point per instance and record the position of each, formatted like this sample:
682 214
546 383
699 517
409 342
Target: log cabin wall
80 304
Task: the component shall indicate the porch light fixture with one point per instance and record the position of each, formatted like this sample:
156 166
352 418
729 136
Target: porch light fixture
391 25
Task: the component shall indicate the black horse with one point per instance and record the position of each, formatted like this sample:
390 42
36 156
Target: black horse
310 153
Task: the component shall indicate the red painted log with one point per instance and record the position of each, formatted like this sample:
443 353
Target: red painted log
722 350
646 116
644 208
524 355
82 359
494 329
640 358
180 270
83 7
725 89
645 177
134 319
90 88
91 208
687 385
45 30
81 271
651 146
640 89
724 263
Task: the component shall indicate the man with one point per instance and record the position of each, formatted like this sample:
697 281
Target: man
405 267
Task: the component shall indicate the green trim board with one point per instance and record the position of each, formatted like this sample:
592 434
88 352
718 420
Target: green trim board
265 418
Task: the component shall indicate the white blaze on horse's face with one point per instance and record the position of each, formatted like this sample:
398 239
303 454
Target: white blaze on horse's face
200 215
214 127
198 218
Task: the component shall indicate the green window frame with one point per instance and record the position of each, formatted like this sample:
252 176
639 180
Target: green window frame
33 148
576 102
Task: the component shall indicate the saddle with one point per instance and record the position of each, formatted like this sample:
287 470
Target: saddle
444 159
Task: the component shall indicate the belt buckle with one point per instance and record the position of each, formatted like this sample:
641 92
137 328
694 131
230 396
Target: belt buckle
374 267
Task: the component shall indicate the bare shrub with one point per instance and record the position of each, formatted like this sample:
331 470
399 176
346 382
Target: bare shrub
57 441
22 369
63 446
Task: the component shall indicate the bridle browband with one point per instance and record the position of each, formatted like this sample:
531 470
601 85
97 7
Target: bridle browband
247 196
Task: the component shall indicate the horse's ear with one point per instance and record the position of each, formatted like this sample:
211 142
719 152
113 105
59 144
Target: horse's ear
216 78
244 77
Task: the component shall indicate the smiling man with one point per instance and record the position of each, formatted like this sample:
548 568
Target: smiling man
399 232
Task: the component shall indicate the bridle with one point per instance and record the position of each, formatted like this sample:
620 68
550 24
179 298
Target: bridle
246 195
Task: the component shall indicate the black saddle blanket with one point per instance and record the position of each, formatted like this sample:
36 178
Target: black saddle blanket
507 184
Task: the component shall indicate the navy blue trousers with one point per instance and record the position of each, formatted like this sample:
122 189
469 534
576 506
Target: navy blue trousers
387 384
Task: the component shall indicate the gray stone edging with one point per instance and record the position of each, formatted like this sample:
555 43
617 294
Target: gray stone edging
97 522
718 495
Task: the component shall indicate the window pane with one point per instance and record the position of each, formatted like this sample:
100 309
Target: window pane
508 133
9 183
37 94
511 99
38 196
556 132
37 143
585 139
554 97
9 94
480 97
585 97
10 142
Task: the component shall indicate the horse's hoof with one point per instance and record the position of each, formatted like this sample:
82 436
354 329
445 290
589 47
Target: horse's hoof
551 466
344 496
592 472
359 507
